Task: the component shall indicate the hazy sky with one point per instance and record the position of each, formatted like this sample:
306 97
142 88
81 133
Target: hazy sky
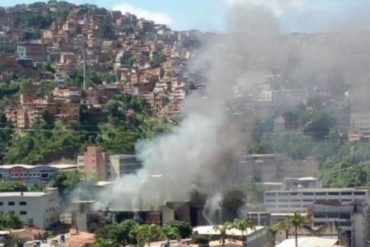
295 15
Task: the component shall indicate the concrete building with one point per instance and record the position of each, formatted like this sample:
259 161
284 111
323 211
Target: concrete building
95 163
351 218
301 199
123 164
309 242
32 173
105 167
257 237
274 168
40 209
260 218
304 182
360 124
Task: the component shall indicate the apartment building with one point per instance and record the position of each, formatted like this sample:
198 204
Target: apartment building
40 209
351 218
300 199
104 167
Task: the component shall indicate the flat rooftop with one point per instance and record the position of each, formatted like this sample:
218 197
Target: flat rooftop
24 194
209 230
58 166
321 190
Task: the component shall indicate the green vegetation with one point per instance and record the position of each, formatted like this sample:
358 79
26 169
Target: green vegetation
183 228
129 121
221 229
158 59
45 142
33 19
128 59
296 220
129 232
65 181
243 225
9 221
12 186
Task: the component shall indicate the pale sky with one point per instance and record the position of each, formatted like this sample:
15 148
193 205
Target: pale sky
209 15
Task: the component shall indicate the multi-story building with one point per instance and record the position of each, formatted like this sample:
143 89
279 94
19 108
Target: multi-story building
351 218
274 168
31 50
123 164
95 163
360 124
300 199
104 167
40 209
30 174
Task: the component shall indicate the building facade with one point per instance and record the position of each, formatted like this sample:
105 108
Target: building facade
351 218
300 199
40 209
32 173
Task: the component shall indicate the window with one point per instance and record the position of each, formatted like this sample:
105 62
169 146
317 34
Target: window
359 193
23 212
308 194
333 193
1 203
23 203
11 203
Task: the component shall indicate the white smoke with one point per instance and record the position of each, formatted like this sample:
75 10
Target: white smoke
200 152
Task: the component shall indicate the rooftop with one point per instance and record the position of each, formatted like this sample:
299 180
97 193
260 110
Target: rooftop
24 194
322 190
309 242
58 166
209 230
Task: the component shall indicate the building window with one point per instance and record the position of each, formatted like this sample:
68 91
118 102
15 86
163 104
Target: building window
11 203
23 203
359 193
1 203
23 212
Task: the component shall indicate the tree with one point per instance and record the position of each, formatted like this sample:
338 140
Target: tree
296 220
65 181
274 230
183 227
222 229
243 225
158 59
119 233
170 232
319 126
9 221
147 233
12 186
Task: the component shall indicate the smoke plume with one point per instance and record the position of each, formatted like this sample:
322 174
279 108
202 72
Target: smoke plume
200 153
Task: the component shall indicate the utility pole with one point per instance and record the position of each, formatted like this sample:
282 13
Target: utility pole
84 69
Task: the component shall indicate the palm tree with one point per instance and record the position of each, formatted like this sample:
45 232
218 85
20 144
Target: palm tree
274 229
170 232
243 225
222 230
296 220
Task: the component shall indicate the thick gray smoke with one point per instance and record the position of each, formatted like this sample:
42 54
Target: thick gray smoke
201 151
